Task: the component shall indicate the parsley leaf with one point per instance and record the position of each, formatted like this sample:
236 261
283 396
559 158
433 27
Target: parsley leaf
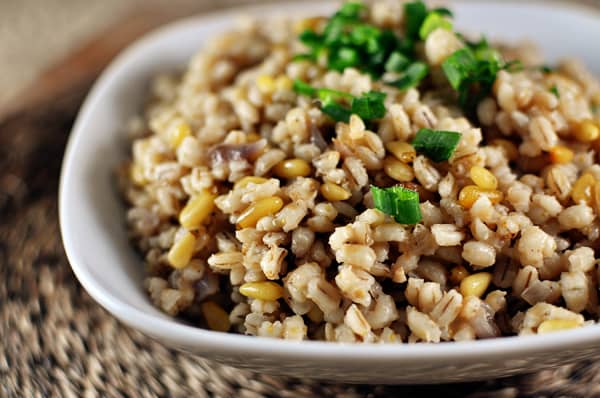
554 90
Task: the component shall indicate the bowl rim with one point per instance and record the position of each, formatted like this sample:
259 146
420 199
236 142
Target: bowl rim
234 344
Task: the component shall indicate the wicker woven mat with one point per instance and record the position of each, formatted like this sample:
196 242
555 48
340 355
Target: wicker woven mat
56 341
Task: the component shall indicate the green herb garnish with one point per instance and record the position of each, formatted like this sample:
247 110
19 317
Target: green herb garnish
415 13
336 111
369 105
348 41
340 106
437 145
443 11
472 71
459 66
397 62
554 90
411 76
398 202
432 22
546 69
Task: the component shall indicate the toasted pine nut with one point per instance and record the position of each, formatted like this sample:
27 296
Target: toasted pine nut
267 291
402 150
181 252
483 178
334 192
555 325
476 284
196 210
290 168
259 209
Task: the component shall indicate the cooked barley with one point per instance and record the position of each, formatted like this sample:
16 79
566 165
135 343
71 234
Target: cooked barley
252 208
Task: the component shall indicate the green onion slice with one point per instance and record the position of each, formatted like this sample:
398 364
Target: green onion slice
370 105
437 145
337 112
415 13
303 88
397 62
351 10
411 76
459 66
443 11
398 202
432 22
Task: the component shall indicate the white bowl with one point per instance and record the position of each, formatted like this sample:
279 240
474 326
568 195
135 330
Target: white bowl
93 227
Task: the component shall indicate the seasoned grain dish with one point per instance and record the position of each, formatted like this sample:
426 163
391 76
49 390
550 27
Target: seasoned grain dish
370 176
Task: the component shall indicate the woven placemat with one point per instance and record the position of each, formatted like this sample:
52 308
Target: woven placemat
55 341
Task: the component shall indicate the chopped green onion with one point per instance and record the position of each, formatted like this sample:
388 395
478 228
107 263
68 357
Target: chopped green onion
411 77
310 38
303 57
437 145
396 62
337 112
348 41
472 70
327 94
459 66
432 22
487 54
364 34
406 46
414 15
303 88
398 202
546 69
554 90
443 11
351 10
369 106
343 58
